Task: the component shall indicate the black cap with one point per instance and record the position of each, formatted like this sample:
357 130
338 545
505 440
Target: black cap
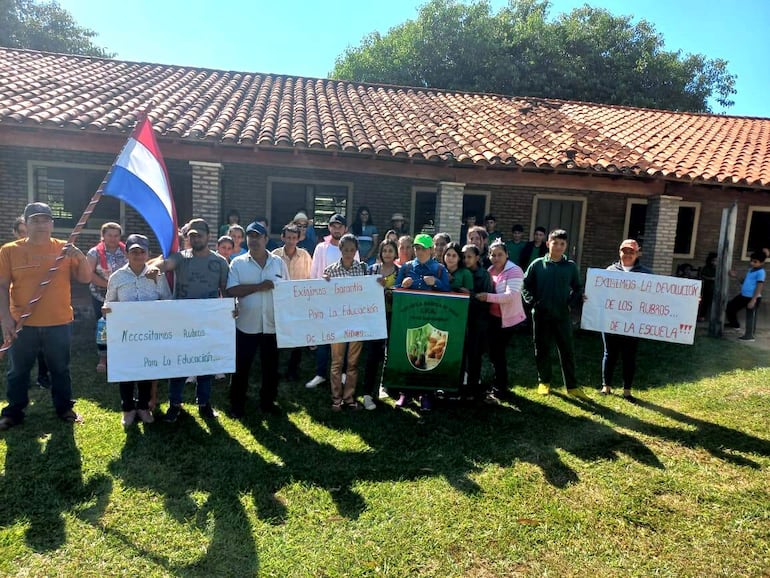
137 241
37 209
337 218
257 228
198 226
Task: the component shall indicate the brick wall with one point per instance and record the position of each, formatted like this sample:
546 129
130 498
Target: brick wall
207 195
449 208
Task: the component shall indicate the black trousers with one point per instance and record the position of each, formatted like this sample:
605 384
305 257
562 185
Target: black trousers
246 345
499 338
127 401
735 305
376 351
475 344
619 347
549 330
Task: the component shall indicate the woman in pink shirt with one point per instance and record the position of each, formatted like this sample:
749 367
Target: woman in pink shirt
505 310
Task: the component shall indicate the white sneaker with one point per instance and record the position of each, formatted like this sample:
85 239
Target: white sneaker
145 415
191 379
315 382
344 378
383 393
220 376
369 403
128 418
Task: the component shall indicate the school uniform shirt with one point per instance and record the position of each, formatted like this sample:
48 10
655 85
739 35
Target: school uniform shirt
255 311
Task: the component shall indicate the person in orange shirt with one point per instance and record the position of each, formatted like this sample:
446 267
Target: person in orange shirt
24 264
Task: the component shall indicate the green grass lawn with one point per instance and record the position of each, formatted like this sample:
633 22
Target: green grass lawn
675 486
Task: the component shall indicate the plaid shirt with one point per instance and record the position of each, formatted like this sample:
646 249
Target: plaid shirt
336 269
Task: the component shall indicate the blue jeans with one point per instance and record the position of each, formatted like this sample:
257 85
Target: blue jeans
202 390
54 343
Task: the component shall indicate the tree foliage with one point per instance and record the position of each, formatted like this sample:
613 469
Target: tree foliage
45 26
588 55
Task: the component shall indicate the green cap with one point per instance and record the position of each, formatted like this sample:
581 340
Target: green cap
425 241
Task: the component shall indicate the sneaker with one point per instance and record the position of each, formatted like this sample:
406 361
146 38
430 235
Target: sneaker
128 418
383 394
44 381
207 412
578 393
172 413
543 389
315 382
425 403
746 338
7 422
402 400
369 403
191 379
145 415
71 416
220 376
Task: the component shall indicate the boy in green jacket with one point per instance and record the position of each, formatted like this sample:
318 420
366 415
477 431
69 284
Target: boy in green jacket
551 288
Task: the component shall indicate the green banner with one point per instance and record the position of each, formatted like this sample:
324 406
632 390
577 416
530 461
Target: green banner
427 337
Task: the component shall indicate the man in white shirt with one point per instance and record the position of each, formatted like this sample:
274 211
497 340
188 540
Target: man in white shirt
252 278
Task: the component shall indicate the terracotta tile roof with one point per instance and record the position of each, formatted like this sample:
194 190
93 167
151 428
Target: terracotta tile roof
251 109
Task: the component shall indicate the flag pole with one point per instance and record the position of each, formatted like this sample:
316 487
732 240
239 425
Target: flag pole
29 307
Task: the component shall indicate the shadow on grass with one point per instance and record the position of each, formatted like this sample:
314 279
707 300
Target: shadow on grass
184 459
43 479
717 440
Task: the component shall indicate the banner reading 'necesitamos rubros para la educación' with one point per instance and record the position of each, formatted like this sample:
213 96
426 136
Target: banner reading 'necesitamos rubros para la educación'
427 337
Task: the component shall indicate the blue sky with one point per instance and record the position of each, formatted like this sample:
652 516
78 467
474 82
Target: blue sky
303 37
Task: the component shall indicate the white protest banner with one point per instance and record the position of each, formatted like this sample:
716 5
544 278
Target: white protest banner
157 339
316 311
639 305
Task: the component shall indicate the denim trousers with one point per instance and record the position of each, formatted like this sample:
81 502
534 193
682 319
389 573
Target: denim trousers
202 390
54 343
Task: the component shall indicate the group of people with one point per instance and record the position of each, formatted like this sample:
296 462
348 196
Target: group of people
507 282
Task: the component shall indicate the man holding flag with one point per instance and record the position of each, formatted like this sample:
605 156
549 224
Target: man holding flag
24 264
200 274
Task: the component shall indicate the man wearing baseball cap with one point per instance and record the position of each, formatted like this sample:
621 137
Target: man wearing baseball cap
622 346
24 264
252 279
326 253
200 274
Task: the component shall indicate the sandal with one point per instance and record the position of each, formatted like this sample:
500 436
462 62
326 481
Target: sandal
336 406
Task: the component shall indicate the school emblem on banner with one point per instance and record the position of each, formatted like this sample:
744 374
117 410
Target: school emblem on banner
425 346
427 337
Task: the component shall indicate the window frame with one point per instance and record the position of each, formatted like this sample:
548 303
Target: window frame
693 235
749 215
33 164
309 197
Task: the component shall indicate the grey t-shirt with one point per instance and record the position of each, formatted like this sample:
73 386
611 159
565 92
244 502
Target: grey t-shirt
198 277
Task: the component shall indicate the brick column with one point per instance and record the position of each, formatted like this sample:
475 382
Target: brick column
660 233
207 194
449 208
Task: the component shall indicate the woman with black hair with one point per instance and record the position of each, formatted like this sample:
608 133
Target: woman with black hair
366 233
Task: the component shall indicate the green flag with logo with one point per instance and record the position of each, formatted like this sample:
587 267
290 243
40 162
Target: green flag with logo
427 337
